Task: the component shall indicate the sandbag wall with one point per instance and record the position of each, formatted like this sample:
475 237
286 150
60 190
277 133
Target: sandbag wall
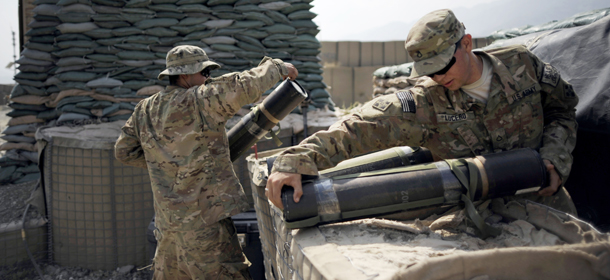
89 61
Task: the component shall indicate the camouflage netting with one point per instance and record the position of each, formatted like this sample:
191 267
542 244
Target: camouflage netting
389 79
91 61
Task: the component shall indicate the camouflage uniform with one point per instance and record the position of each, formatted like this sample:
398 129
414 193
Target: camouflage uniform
529 105
179 135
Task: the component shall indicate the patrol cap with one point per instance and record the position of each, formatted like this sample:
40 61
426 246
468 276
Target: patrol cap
186 59
431 41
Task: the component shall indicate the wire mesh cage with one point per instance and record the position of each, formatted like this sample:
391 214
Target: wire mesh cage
98 208
23 232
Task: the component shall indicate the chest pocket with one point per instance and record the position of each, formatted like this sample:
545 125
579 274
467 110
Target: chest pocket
465 125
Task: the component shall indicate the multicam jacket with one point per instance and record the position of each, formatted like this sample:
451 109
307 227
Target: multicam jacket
529 105
179 136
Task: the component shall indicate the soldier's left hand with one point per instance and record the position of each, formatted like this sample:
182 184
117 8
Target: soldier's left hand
555 180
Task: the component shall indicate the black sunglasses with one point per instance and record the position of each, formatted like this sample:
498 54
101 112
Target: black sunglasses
205 72
444 70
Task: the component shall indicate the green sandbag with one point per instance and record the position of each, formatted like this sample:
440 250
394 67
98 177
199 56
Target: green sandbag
40 47
137 3
193 21
186 30
126 31
229 15
74 17
99 33
220 2
260 17
165 8
275 43
103 57
258 34
157 22
136 55
225 48
142 39
248 24
73 52
296 7
303 24
248 8
281 37
249 40
302 15
277 17
41 31
77 44
279 28
250 47
229 31
200 35
31 76
71 37
194 8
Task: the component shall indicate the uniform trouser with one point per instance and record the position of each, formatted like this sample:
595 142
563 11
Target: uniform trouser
212 252
561 201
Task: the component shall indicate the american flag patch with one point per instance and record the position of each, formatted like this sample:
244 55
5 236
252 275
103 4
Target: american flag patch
407 101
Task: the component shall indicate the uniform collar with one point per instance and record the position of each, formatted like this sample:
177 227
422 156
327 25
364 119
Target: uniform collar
501 75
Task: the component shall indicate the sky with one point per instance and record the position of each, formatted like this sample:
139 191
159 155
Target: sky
379 20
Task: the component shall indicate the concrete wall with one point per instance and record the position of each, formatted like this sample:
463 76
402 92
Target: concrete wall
349 66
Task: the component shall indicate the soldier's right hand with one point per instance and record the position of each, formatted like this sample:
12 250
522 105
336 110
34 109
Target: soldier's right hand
292 71
277 180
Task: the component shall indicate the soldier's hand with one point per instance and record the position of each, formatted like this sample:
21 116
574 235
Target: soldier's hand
292 71
277 180
555 180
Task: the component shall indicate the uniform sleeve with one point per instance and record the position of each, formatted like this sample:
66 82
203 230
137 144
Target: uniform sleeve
558 104
222 97
128 149
360 133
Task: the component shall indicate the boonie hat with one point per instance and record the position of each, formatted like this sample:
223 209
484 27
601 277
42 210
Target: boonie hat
186 60
431 41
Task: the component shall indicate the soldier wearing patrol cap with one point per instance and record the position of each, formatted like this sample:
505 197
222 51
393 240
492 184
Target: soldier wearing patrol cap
467 103
179 135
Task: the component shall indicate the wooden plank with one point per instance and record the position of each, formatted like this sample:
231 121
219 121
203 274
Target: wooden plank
354 54
342 87
343 53
377 53
328 52
389 53
363 83
401 53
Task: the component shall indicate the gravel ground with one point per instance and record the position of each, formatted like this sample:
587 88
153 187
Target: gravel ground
54 272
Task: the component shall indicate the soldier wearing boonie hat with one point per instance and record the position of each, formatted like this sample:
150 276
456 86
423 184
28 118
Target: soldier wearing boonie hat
186 60
179 135
471 103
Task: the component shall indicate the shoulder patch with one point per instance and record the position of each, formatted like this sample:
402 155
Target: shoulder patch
382 104
550 75
407 101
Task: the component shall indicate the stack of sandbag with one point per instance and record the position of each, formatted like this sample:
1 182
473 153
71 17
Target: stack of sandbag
390 79
91 61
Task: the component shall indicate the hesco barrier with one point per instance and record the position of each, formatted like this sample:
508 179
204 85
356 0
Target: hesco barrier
531 234
98 208
241 164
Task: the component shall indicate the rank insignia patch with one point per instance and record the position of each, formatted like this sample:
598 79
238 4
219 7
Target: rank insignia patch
550 76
